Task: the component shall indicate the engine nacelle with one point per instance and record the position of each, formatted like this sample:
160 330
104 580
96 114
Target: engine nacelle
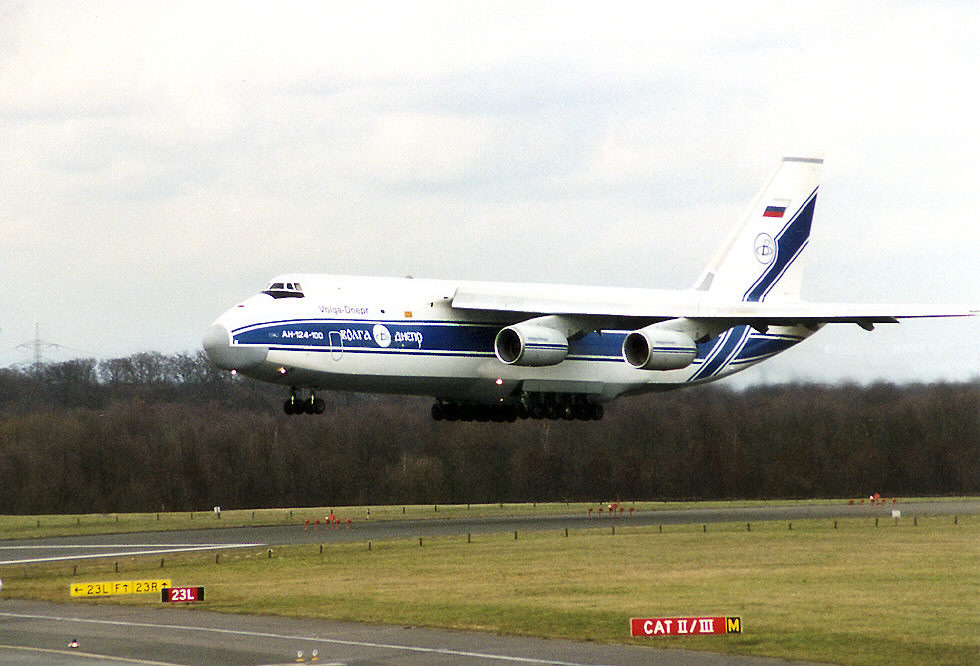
530 343
655 348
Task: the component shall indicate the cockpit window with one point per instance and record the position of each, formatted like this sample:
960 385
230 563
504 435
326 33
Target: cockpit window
284 290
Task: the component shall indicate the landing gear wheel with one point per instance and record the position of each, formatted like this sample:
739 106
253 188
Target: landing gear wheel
296 405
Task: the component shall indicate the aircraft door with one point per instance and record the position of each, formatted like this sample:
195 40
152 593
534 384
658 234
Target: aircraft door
336 345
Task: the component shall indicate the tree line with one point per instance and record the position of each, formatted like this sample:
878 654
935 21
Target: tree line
153 432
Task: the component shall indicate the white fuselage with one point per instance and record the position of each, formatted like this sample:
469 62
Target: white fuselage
403 335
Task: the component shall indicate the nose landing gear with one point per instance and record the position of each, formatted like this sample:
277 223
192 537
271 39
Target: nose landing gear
296 405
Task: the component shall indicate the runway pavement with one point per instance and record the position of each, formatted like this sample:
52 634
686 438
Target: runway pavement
39 633
27 551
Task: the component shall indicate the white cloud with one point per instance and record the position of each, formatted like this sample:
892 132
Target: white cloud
155 143
424 149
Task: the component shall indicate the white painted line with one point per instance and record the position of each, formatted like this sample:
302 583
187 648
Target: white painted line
132 545
156 550
313 639
87 655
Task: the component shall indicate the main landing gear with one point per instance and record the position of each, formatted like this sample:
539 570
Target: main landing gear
296 405
554 406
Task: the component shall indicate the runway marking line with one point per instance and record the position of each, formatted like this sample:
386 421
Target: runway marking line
129 545
157 549
88 655
313 639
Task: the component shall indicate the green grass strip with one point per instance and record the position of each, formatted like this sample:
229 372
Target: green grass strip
901 592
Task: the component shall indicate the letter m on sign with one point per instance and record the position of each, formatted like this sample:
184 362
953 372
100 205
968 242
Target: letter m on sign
733 625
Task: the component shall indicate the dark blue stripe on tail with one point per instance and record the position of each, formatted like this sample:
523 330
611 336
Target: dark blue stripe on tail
789 243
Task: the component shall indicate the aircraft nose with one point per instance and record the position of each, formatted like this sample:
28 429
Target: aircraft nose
218 347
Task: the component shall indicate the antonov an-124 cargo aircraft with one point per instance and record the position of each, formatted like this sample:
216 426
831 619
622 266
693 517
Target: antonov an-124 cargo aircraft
502 351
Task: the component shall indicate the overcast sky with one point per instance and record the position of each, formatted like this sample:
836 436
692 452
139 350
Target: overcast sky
160 161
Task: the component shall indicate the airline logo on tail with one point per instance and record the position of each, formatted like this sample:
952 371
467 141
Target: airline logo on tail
765 248
780 253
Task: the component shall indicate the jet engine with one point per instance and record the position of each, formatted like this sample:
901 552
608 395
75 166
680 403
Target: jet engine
658 348
531 343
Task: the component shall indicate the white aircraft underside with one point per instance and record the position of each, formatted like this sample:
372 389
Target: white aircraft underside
502 351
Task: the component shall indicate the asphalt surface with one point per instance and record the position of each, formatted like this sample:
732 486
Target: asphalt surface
27 551
40 633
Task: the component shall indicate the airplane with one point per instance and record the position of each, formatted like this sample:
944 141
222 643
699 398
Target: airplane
503 351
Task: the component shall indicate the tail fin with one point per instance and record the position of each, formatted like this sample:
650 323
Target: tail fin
761 258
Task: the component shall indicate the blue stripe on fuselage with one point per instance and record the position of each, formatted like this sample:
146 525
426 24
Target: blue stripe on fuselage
377 336
718 352
759 347
443 338
738 345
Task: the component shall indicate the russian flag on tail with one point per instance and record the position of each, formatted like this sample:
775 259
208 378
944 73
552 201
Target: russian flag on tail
774 211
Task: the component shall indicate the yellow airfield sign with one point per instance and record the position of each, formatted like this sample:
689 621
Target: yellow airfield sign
105 589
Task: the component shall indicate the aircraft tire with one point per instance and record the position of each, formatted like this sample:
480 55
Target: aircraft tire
451 411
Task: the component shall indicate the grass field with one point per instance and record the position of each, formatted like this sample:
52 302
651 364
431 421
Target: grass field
851 594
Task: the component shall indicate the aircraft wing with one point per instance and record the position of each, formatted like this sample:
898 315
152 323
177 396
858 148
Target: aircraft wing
612 304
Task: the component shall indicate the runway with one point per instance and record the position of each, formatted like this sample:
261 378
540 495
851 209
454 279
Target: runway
39 633
27 551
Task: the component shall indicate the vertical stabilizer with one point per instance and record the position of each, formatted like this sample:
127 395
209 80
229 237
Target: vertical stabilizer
762 256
